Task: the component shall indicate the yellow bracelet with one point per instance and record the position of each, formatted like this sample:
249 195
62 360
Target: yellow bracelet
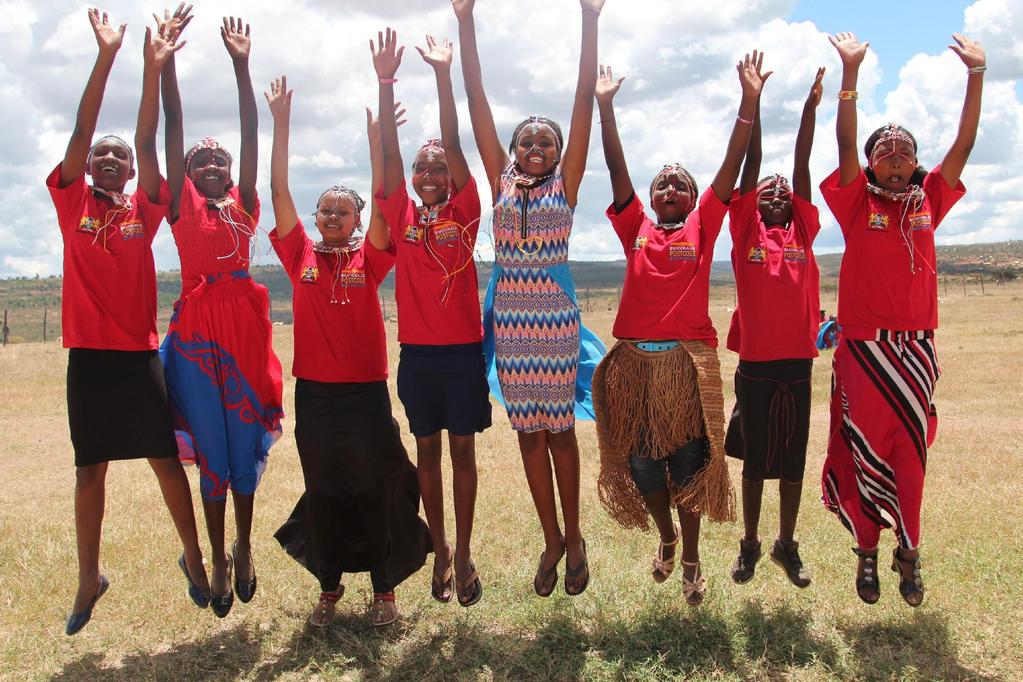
844 95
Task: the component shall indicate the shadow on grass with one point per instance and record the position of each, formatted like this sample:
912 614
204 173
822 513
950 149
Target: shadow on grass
782 637
916 647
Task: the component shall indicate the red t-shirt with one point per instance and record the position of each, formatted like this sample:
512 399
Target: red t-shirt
342 341
208 243
878 288
109 294
435 282
777 282
667 275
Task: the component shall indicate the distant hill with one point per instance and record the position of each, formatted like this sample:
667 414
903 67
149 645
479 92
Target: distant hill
26 298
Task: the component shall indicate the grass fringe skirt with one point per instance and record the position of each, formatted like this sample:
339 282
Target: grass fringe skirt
653 403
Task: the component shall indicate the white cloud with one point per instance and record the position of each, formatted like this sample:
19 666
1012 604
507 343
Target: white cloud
678 102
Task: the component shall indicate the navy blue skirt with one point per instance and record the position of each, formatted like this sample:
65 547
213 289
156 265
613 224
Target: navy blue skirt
444 387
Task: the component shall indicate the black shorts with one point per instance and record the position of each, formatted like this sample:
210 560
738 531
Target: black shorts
444 387
117 406
770 424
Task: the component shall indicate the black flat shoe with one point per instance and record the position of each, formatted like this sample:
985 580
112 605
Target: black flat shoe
246 590
221 604
77 621
194 593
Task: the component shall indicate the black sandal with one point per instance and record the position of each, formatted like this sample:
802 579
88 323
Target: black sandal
912 590
867 578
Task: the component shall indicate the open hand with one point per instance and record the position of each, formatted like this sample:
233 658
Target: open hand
279 98
968 50
751 76
592 5
107 37
236 37
850 50
387 58
817 89
607 86
463 8
159 48
171 25
437 55
373 123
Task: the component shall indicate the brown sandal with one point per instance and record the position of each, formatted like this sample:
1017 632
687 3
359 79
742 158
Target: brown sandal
325 610
546 580
695 589
466 598
441 587
662 568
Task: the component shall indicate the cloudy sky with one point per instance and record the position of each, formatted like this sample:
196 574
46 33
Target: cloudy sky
677 104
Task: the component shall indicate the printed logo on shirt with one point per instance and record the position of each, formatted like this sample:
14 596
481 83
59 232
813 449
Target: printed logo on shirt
132 230
352 278
794 253
88 225
445 235
678 251
413 234
919 221
756 254
878 222
640 243
310 274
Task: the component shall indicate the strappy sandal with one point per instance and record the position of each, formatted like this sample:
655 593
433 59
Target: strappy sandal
384 610
663 568
546 580
912 590
466 598
441 587
694 590
574 573
326 608
867 580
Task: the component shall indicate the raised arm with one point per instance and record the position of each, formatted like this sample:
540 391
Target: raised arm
386 60
754 153
279 99
494 156
156 50
606 89
378 234
173 130
438 55
973 56
752 82
801 183
109 41
573 162
238 44
852 53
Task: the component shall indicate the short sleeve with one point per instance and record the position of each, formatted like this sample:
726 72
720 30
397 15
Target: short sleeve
465 204
379 261
807 215
152 213
743 213
627 223
940 196
712 214
397 209
69 201
291 249
847 202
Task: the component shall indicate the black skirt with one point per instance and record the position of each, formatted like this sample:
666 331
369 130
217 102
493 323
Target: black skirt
770 424
360 511
444 387
117 406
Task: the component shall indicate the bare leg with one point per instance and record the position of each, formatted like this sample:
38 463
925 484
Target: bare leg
564 450
752 495
431 487
540 477
659 506
690 524
789 492
214 511
178 498
90 498
243 507
463 473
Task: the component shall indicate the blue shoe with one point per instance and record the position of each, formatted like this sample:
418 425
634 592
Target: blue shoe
77 621
246 589
194 593
221 604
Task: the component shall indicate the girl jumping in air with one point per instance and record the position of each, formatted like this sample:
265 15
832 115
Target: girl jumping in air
531 319
360 509
223 377
660 412
885 367
774 329
441 374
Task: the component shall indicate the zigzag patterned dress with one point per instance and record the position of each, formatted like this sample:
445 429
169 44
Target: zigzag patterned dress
536 323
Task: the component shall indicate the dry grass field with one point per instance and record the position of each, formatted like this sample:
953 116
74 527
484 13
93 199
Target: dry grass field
623 628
